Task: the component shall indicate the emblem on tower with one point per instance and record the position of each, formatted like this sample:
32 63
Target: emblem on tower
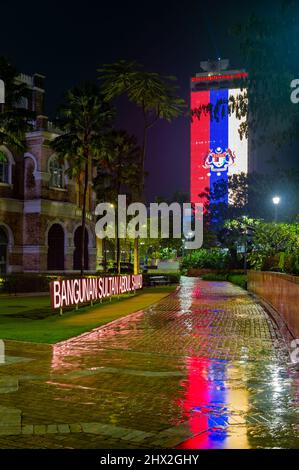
219 159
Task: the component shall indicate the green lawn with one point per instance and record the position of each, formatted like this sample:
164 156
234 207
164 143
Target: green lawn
31 318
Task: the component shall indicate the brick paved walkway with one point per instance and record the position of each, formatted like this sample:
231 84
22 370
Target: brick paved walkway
203 368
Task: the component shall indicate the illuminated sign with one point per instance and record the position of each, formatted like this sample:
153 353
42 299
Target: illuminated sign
69 292
209 78
2 92
217 150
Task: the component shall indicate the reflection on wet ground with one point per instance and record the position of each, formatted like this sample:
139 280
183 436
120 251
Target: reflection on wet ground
204 368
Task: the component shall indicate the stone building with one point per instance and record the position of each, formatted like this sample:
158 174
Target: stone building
40 207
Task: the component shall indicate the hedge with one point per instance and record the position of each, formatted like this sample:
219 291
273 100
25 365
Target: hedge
27 282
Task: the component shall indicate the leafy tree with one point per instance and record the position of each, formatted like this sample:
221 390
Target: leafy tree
154 94
271 243
214 258
268 44
84 119
251 195
14 120
237 233
118 172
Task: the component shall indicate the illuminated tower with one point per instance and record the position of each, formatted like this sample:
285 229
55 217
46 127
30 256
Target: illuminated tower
217 150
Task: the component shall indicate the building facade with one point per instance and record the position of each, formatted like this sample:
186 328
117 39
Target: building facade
40 207
217 150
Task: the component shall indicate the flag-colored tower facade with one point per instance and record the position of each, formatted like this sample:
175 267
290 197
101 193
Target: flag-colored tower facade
217 149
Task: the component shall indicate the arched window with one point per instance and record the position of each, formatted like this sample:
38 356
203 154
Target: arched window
3 251
56 173
56 248
4 168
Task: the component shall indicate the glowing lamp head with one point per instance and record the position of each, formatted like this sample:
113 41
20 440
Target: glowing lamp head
276 200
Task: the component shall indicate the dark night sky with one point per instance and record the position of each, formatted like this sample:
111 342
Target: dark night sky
68 40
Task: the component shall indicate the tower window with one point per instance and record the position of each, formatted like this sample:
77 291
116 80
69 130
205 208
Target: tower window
56 174
4 167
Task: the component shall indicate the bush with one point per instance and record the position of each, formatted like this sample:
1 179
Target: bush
174 278
275 247
205 259
26 283
291 263
13 283
167 253
238 279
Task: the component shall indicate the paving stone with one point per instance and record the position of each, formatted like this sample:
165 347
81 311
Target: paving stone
92 428
119 432
63 428
40 429
27 429
75 427
142 436
52 428
131 436
8 384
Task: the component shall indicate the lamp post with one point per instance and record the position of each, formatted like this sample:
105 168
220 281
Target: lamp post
276 201
189 237
245 242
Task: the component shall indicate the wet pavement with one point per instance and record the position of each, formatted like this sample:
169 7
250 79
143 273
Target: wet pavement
204 368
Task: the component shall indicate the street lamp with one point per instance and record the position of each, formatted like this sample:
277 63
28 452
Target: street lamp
189 235
276 201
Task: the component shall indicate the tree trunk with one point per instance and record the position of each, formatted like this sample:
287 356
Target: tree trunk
117 242
141 195
84 219
142 163
104 255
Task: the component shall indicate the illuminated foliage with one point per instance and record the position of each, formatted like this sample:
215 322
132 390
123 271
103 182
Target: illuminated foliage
83 119
14 120
154 94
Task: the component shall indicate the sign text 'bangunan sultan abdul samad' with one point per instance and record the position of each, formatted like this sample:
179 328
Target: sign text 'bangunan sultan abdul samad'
69 292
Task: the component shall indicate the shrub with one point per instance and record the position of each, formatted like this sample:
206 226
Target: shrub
13 283
167 253
26 283
291 263
238 279
275 248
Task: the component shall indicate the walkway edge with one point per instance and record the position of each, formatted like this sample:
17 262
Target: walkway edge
113 322
277 319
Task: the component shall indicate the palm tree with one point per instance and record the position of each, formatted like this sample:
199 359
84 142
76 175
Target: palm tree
118 172
14 120
154 94
83 119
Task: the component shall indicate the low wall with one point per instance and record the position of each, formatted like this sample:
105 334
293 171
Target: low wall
281 291
196 272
